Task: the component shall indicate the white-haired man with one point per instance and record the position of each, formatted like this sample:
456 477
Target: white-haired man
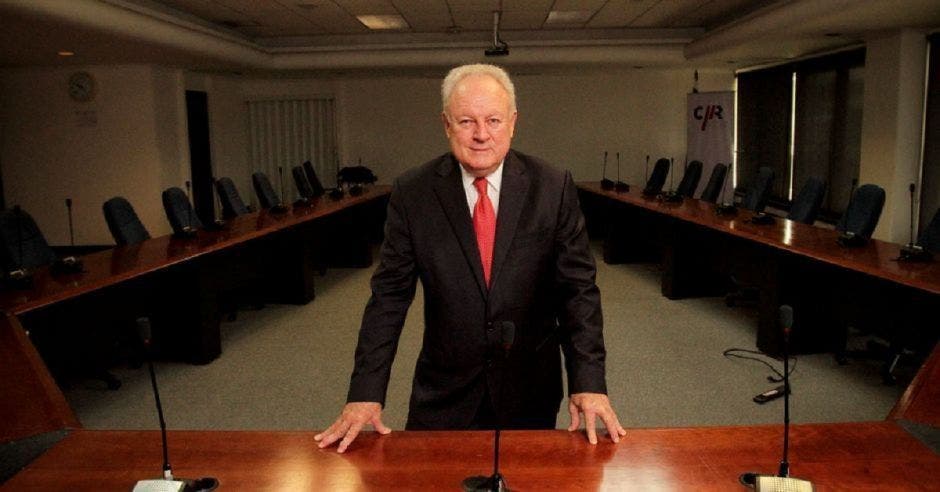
497 239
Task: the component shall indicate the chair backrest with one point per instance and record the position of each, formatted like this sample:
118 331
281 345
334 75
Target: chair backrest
179 212
805 206
23 245
863 212
123 222
929 238
755 198
312 178
715 184
232 204
267 197
300 180
693 174
658 177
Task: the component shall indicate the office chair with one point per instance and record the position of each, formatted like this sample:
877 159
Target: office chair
123 222
179 212
863 212
693 174
23 244
314 181
805 206
715 184
658 177
232 204
755 199
267 197
929 238
304 189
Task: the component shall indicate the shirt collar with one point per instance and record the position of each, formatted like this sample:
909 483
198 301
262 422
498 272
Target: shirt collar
494 179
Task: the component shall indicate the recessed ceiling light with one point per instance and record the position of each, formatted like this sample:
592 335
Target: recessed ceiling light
565 17
66 53
383 22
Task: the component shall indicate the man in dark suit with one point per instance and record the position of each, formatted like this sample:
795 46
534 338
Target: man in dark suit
498 241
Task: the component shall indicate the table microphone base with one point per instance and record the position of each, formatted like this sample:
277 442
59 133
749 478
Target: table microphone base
205 484
479 483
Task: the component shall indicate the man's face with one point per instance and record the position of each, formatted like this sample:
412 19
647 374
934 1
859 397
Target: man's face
479 123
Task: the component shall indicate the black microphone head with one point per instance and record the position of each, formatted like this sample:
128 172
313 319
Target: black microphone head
508 334
68 202
786 317
911 187
188 185
143 330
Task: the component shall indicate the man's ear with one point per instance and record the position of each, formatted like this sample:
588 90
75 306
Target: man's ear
446 122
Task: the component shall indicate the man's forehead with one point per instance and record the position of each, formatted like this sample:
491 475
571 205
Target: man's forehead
475 83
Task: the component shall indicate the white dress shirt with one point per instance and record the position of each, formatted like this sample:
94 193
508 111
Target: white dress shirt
493 182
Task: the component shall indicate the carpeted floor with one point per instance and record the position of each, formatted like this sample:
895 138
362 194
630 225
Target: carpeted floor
287 367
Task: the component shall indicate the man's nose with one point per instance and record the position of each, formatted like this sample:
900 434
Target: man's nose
481 133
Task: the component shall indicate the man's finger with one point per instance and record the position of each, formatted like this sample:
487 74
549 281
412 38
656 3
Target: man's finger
575 417
335 431
590 423
613 426
380 426
350 437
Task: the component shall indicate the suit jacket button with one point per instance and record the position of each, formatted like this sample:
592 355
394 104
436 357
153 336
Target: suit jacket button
489 326
489 362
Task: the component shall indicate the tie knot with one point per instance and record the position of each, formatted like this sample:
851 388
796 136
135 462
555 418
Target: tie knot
480 184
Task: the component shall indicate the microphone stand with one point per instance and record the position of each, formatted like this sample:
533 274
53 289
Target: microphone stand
70 263
722 207
671 196
188 231
606 184
621 186
20 277
218 223
913 252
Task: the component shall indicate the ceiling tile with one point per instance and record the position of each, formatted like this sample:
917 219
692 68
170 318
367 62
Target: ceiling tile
367 7
621 13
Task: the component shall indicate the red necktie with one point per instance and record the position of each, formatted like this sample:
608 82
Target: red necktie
484 223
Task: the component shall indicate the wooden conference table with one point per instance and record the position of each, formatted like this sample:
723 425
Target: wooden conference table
790 262
179 281
854 456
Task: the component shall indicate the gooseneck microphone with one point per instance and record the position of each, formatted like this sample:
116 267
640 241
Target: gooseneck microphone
218 223
782 481
621 186
70 263
911 251
167 483
496 482
606 184
671 196
723 207
68 206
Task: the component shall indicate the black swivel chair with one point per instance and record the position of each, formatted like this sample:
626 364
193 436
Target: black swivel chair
179 212
658 178
715 184
693 174
755 199
232 204
23 244
805 206
314 181
304 189
863 212
123 222
267 197
929 238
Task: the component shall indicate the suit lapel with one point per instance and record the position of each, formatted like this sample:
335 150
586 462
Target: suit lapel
512 197
450 193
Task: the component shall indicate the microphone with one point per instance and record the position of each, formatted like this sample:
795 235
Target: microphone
782 481
496 482
606 184
188 231
167 483
70 263
621 186
913 252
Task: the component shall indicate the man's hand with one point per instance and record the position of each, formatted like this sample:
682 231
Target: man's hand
354 417
594 405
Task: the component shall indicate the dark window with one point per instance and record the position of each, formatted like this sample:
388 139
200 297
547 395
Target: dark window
825 128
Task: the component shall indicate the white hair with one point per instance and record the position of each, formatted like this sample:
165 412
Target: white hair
457 74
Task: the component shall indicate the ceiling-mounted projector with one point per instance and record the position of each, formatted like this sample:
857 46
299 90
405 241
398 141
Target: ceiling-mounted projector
500 48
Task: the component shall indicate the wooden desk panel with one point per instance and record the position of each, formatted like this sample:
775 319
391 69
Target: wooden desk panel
30 401
873 456
123 263
921 401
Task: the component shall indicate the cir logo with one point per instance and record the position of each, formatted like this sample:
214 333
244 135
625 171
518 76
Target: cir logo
712 111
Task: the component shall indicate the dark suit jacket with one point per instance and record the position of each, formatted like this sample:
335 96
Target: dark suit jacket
542 280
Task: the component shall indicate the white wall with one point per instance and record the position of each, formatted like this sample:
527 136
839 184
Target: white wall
891 125
136 147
